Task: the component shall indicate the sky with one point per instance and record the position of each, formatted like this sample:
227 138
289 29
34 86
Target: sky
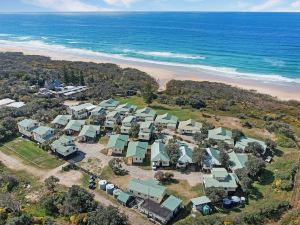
7 6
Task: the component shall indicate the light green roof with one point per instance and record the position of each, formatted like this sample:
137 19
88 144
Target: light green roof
200 200
118 141
227 181
221 134
213 157
123 197
166 118
128 119
171 203
147 187
62 146
89 131
137 148
186 154
126 107
145 112
62 119
81 107
158 152
26 122
146 125
113 114
75 125
244 141
219 172
190 124
97 110
42 130
109 103
237 160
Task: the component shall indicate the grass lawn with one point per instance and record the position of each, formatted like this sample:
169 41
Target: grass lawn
134 100
104 140
31 154
120 181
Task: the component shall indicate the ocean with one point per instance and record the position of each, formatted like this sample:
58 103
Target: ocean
257 45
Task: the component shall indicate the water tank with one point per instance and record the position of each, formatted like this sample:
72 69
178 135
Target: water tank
110 188
116 193
226 203
235 200
102 185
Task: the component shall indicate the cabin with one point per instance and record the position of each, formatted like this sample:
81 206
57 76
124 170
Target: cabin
26 127
74 127
64 146
136 152
167 120
244 141
81 111
200 203
43 134
126 109
156 211
127 123
98 111
189 127
146 130
89 133
109 104
117 143
211 159
173 204
221 134
112 119
147 189
159 156
145 114
220 178
237 160
61 121
124 198
185 155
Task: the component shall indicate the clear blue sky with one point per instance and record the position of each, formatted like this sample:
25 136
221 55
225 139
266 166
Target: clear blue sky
148 5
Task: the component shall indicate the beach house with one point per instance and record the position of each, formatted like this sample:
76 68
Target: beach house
200 202
74 127
117 143
127 123
243 142
237 160
64 146
98 111
211 159
167 120
26 127
221 134
185 155
189 127
89 133
145 114
81 111
146 130
147 189
159 156
220 178
112 119
42 134
136 152
61 121
109 104
126 109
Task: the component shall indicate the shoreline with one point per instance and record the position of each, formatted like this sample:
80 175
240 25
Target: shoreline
164 73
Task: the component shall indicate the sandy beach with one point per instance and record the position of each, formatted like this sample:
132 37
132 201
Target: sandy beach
164 73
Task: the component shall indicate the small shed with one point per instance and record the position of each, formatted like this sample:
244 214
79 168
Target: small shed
200 202
124 198
172 203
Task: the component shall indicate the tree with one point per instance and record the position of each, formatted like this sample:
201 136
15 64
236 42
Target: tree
134 130
215 194
168 176
107 216
24 219
254 148
159 175
173 150
224 159
199 137
51 183
197 103
271 144
77 200
199 155
49 221
50 205
237 135
117 129
148 94
244 180
159 128
254 165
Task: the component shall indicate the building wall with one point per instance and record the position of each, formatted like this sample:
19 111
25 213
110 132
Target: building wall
137 159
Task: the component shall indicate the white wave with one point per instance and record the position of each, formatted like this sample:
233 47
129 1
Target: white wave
164 54
275 62
23 38
89 54
5 35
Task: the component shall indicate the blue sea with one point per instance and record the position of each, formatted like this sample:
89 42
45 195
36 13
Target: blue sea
262 45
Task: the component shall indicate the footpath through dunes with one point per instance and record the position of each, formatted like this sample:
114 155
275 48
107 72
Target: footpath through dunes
68 179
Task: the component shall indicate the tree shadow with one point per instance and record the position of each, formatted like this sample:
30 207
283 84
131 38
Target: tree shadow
255 194
277 152
267 177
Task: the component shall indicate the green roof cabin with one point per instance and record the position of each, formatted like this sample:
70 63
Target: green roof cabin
42 134
109 104
64 146
112 119
189 127
145 114
98 111
126 109
200 202
244 141
237 160
159 156
172 203
117 143
147 189
167 120
26 127
185 155
61 121
221 134
81 111
74 127
220 178
211 159
89 133
136 152
124 198
146 130
127 122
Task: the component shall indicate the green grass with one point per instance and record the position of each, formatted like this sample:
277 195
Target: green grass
31 154
134 100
